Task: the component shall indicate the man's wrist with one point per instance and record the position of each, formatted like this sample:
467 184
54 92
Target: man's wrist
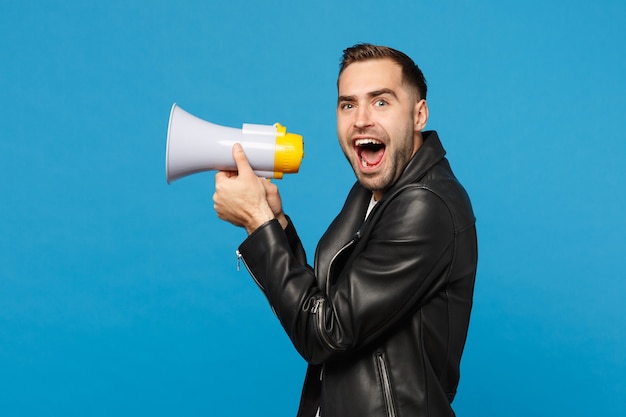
259 219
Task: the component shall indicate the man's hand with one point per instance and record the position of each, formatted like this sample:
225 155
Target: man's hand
240 197
274 201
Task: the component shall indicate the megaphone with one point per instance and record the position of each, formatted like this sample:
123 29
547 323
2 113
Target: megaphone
195 145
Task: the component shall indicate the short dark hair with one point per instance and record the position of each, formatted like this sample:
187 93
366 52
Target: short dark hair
365 51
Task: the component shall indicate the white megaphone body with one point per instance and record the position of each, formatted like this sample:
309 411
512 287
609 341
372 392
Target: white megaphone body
195 145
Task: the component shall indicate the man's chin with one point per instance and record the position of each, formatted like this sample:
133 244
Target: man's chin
372 182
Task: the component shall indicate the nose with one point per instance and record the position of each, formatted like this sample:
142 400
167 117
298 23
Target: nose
363 118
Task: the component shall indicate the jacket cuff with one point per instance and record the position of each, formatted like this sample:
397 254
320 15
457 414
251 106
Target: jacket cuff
292 235
259 246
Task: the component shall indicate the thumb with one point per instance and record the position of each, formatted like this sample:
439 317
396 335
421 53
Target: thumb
241 160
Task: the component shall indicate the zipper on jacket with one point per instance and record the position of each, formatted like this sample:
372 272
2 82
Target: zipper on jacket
319 312
354 239
386 384
318 308
240 259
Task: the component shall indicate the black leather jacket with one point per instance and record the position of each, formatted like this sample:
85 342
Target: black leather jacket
382 318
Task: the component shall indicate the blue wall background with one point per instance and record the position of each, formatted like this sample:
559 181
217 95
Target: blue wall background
119 294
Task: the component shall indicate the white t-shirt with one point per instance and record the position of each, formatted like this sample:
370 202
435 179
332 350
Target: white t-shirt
371 206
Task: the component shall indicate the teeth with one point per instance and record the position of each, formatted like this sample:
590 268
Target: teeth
368 141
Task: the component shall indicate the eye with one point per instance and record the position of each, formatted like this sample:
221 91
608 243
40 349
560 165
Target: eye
380 103
346 106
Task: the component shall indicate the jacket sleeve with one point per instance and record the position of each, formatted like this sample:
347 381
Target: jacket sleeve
401 261
294 242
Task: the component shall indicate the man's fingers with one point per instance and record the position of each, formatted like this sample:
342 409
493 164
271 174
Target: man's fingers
243 166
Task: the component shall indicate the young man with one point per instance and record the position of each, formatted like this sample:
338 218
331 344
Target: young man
382 316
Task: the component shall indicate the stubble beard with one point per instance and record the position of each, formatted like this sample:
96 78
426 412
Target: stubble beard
395 162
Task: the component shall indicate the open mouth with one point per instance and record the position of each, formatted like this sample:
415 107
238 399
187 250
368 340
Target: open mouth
370 151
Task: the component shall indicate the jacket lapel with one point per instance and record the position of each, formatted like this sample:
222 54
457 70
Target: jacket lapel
341 230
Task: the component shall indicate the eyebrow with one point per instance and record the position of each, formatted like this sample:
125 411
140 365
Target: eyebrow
371 94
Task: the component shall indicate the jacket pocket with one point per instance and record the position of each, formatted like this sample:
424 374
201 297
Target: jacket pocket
385 381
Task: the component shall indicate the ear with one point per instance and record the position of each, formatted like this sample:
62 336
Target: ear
420 115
